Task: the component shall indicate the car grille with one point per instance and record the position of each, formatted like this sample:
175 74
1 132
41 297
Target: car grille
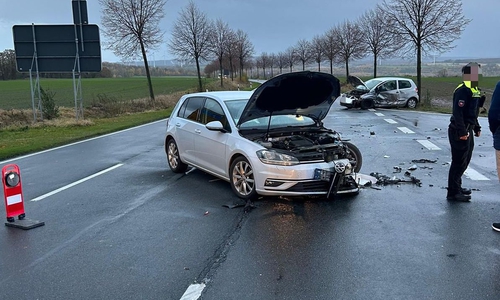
310 186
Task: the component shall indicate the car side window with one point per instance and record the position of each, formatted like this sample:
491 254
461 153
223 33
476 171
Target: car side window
212 111
388 85
191 108
404 84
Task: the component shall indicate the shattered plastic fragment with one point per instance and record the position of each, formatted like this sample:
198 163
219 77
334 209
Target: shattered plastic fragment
413 168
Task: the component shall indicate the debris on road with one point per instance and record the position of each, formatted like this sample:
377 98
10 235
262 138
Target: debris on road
386 180
424 160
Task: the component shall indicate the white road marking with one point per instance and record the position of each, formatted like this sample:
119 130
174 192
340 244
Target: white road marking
379 114
428 145
405 130
371 109
390 121
474 175
75 183
193 292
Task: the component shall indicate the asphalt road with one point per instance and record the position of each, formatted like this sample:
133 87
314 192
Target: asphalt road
120 225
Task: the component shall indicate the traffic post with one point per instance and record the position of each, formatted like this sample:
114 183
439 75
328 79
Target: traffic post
14 200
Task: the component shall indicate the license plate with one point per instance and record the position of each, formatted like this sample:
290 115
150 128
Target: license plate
322 174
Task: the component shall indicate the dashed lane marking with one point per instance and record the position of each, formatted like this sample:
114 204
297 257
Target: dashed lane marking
390 121
193 292
371 109
405 130
75 183
379 114
474 175
428 145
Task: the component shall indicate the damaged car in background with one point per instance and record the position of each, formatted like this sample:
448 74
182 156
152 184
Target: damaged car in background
380 92
270 141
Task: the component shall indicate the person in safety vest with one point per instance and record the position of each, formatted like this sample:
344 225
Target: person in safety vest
462 129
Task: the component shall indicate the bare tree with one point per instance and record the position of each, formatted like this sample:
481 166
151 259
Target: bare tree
291 57
132 27
380 42
263 62
281 61
317 50
303 52
221 44
330 47
350 41
192 37
244 49
8 68
427 25
231 50
272 63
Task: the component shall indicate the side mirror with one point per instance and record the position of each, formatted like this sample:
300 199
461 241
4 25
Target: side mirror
215 126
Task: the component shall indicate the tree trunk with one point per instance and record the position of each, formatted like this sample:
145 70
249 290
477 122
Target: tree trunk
346 69
331 66
148 75
374 65
221 73
419 73
200 86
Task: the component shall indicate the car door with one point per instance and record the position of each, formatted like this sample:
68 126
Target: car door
405 91
186 125
210 145
387 93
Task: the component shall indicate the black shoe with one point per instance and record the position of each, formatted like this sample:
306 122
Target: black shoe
466 191
459 198
496 226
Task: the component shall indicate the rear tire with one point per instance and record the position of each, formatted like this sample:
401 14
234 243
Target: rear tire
174 158
354 156
411 103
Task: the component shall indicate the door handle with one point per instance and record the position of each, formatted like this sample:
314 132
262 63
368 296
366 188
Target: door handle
197 131
178 125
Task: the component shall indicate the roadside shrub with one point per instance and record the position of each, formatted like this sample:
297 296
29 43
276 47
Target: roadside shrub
49 108
106 106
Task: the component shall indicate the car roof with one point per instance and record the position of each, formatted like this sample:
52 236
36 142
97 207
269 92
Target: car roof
392 78
222 95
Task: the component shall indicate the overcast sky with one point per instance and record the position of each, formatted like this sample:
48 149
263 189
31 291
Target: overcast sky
272 25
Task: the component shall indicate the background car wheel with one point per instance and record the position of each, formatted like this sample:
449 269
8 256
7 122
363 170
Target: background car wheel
242 178
367 104
173 158
411 103
354 156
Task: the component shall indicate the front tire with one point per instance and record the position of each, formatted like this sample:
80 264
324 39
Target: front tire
242 178
173 157
354 156
367 104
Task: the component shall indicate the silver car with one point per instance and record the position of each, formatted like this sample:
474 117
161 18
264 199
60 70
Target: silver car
267 142
381 92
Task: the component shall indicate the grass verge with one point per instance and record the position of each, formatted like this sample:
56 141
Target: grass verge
24 140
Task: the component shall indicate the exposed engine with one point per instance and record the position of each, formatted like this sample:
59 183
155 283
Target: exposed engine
307 146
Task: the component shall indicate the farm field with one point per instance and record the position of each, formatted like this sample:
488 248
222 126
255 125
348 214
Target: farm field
16 94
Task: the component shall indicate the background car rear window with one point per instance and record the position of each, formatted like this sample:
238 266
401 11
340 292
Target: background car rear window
191 108
403 84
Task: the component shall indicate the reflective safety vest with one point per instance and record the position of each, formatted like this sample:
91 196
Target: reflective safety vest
476 93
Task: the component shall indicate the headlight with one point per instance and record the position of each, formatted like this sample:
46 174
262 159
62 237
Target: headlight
275 158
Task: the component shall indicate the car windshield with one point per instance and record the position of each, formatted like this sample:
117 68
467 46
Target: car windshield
370 84
235 108
278 121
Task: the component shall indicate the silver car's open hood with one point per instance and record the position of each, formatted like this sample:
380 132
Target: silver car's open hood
355 81
298 93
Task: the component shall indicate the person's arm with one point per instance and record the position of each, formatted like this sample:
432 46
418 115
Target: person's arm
460 99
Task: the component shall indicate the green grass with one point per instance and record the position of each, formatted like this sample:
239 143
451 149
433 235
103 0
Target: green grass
16 94
31 139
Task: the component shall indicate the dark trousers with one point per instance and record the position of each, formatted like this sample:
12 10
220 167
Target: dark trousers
461 154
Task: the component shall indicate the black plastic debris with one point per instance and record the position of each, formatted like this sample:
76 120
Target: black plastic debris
397 169
424 160
386 180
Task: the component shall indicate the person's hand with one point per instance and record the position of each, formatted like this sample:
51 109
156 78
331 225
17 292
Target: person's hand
478 134
465 137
